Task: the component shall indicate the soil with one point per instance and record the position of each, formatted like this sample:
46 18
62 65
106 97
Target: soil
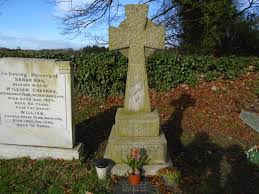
206 139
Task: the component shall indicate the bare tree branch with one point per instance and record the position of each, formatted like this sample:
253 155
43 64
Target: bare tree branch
246 5
79 17
82 16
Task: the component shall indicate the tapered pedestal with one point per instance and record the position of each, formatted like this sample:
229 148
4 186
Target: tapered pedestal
139 130
136 124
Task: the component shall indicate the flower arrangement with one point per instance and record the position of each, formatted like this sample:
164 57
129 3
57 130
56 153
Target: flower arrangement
136 159
171 176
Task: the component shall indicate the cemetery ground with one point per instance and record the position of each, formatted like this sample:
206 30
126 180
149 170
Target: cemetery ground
206 141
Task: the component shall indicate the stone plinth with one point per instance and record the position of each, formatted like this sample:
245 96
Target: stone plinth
147 170
118 147
140 124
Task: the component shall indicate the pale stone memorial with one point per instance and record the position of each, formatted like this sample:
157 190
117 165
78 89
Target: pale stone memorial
135 124
36 109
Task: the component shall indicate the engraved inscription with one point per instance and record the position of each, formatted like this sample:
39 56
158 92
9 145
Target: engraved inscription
136 96
151 149
123 187
29 100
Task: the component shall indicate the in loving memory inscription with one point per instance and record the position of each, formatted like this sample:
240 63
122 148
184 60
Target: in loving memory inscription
31 99
35 97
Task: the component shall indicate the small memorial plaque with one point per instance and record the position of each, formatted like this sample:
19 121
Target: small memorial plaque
145 187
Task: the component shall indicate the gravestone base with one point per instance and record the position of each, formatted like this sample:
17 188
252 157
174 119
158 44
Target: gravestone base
156 147
118 148
147 170
35 152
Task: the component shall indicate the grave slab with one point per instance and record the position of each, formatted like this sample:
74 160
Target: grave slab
145 187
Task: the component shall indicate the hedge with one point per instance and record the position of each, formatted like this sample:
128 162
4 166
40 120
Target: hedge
103 74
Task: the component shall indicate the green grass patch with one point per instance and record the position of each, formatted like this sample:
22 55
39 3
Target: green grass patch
49 176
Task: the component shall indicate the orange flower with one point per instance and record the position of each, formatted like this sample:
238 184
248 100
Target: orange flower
135 153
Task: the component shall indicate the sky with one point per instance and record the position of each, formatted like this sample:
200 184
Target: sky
33 24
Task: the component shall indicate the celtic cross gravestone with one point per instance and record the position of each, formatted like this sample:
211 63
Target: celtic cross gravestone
135 124
136 38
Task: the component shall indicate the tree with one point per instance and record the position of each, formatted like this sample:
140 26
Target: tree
196 25
80 16
242 37
207 25
93 49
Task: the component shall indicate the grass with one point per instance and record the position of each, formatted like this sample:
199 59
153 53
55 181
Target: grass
57 176
49 176
210 161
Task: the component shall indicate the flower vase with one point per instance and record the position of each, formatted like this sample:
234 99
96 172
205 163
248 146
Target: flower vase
134 179
102 167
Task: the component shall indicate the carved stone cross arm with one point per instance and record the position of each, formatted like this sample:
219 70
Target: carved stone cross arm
155 38
136 38
118 39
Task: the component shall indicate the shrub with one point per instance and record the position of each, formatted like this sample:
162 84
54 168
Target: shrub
104 73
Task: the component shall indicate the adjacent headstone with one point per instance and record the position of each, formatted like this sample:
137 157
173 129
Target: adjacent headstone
36 109
251 119
135 124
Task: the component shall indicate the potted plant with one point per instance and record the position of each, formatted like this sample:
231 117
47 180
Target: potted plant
136 159
253 154
171 176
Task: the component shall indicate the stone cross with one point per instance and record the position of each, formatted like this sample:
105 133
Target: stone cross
136 38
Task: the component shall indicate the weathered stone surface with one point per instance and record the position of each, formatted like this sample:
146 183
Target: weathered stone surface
147 170
36 152
36 102
118 147
136 124
251 119
136 38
